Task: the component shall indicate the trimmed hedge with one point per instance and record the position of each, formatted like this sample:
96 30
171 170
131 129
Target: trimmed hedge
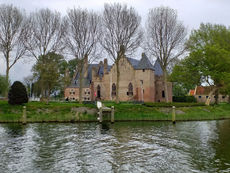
187 99
177 104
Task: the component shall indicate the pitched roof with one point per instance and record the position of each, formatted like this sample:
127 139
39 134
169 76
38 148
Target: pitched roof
203 90
191 92
87 81
144 63
134 62
158 69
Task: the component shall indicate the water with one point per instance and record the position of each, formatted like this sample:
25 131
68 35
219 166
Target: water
121 147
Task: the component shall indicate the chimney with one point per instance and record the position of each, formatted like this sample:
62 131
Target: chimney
105 66
143 55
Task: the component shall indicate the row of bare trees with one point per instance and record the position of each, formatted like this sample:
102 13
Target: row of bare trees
85 34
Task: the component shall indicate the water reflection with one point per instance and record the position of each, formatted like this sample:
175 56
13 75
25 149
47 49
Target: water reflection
120 147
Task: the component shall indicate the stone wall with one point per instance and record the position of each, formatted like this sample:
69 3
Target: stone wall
202 98
160 93
73 94
146 86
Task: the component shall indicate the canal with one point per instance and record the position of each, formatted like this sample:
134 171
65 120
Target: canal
196 146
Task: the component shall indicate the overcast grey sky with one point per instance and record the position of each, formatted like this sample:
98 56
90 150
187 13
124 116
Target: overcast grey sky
191 12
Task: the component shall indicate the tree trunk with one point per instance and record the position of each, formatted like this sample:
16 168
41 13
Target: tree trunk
80 85
165 85
48 97
217 96
208 100
118 80
7 79
42 90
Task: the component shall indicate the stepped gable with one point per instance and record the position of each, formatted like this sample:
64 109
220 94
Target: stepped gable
87 81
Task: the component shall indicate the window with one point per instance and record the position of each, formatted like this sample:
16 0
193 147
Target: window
143 70
98 91
113 89
223 97
142 82
206 97
199 97
130 89
163 94
88 92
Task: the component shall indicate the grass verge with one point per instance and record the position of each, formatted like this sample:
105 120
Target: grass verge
126 111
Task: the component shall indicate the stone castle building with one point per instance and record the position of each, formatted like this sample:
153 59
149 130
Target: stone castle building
139 81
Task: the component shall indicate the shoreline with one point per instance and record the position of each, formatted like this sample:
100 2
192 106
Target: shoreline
61 112
107 121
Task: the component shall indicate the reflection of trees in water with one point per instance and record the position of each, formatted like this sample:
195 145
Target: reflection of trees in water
128 147
15 129
47 145
12 146
197 136
222 146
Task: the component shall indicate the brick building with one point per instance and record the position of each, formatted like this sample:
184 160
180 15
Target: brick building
201 94
139 81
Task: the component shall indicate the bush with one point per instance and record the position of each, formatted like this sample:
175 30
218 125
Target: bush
17 94
187 99
163 104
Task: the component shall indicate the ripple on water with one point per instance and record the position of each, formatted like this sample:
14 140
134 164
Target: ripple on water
121 147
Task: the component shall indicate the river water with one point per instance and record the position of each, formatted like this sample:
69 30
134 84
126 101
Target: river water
121 147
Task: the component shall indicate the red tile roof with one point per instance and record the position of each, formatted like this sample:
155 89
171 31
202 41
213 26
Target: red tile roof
191 92
203 90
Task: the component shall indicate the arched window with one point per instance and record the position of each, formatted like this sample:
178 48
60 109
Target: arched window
113 89
98 91
130 89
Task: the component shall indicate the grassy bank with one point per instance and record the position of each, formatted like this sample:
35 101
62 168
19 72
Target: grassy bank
72 112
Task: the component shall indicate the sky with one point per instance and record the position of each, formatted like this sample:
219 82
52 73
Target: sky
190 12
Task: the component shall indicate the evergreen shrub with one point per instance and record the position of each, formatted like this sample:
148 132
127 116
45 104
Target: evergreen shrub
17 94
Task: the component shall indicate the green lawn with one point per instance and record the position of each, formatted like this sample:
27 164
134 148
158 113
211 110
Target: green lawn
125 111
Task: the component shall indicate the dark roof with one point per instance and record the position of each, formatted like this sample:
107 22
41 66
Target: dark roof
88 79
157 68
133 62
144 63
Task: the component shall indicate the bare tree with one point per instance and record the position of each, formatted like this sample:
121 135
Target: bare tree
82 39
166 37
122 34
45 34
12 30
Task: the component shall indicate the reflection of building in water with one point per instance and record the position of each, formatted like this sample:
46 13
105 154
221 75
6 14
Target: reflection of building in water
139 81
